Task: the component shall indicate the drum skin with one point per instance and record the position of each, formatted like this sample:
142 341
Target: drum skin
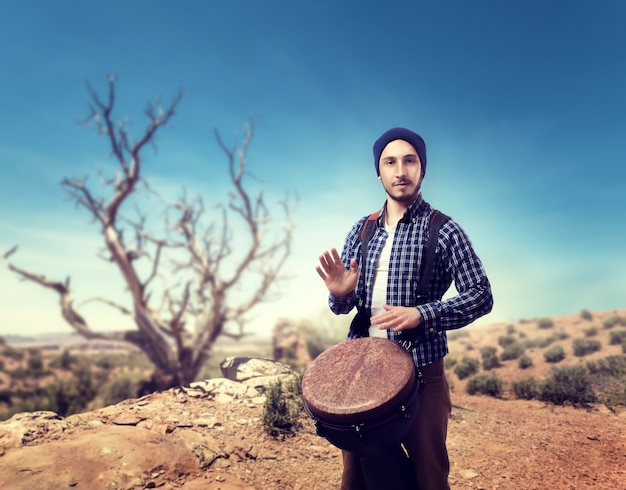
362 394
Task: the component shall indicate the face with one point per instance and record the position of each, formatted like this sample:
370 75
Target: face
400 171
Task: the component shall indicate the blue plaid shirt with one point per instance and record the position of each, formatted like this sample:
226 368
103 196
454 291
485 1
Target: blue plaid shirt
455 261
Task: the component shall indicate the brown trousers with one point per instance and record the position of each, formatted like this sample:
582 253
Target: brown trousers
425 445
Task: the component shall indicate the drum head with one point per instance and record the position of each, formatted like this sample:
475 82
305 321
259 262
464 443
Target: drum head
358 380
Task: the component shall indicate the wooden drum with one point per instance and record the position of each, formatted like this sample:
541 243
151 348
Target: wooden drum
362 394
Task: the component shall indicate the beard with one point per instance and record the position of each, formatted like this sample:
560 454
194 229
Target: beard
404 197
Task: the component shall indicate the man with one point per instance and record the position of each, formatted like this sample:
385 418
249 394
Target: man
387 287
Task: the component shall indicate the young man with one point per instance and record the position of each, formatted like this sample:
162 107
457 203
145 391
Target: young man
398 312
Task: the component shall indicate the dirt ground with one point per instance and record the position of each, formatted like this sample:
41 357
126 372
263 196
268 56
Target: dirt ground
493 444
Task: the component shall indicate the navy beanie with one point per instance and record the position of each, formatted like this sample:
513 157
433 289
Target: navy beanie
400 134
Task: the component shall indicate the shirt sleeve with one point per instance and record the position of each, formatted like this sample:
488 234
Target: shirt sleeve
474 298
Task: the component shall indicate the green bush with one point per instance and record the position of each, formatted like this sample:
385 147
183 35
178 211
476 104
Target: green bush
608 377
583 347
614 321
505 340
525 389
545 323
13 353
120 388
512 351
282 408
554 354
591 331
491 362
524 361
567 384
529 343
490 357
586 315
485 384
488 351
466 367
616 337
545 342
449 361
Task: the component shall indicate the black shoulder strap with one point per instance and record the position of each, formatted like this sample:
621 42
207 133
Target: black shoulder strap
436 221
367 230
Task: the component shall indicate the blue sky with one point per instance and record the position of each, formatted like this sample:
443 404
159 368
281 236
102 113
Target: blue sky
521 103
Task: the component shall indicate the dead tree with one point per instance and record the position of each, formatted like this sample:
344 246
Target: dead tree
180 280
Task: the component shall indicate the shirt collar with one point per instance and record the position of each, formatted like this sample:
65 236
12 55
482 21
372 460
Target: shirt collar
415 209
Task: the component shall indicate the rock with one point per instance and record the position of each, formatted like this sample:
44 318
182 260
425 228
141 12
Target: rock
245 368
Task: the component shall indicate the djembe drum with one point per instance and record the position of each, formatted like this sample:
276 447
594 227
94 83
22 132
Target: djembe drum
362 394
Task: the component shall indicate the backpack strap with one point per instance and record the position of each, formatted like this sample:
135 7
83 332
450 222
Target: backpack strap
367 231
437 220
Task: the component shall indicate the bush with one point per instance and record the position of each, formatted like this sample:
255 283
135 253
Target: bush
449 361
608 377
491 362
466 367
282 408
13 353
591 331
614 321
545 342
617 337
510 329
554 354
586 315
485 384
583 347
488 351
505 340
524 361
545 323
568 384
121 388
525 389
512 351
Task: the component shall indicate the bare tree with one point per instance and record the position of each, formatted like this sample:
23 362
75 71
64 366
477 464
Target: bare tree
180 281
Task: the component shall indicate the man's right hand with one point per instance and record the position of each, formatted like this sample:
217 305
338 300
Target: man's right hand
339 280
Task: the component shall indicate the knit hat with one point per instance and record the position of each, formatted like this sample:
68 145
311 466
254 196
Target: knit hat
400 134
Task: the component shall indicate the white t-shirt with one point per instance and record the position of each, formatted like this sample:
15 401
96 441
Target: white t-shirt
381 274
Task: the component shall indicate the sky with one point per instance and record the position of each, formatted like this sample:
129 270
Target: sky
521 104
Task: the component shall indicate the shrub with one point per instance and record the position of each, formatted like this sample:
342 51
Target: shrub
485 384
608 376
491 362
586 315
617 337
568 384
466 367
121 388
512 351
505 340
562 335
614 321
545 323
510 329
13 353
591 331
525 389
529 343
554 354
545 342
488 351
282 408
583 347
524 361
449 361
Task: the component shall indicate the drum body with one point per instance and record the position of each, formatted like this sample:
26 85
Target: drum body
362 394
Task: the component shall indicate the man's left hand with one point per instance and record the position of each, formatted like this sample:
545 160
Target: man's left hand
397 318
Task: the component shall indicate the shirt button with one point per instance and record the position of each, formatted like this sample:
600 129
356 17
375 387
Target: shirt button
431 330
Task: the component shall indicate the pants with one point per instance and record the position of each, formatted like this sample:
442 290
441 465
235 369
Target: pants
425 444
